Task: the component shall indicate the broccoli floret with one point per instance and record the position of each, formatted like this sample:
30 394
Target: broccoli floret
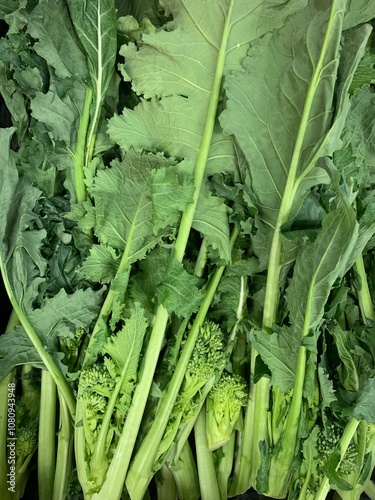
317 453
27 439
207 359
96 386
224 404
327 440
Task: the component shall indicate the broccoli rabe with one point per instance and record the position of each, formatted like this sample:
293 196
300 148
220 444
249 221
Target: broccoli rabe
105 389
178 411
321 456
206 363
327 440
224 404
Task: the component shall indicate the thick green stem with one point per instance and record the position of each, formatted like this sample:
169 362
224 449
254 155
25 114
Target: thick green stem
79 155
140 472
47 359
364 296
259 410
47 437
64 458
201 261
165 484
206 468
281 462
185 474
224 468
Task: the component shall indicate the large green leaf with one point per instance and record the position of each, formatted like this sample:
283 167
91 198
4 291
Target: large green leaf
7 7
95 25
174 69
51 27
128 199
56 114
280 108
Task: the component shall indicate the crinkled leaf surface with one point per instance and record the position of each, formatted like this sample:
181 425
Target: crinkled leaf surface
326 388
16 349
211 220
365 74
178 65
280 107
178 292
152 272
317 268
126 204
62 314
51 26
125 347
168 193
101 265
280 352
347 370
357 156
56 114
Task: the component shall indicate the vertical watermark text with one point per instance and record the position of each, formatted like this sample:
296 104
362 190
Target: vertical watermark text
11 438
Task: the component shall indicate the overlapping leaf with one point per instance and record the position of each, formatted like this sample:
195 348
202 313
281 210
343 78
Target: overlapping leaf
280 108
178 65
51 26
132 207
280 352
125 347
317 268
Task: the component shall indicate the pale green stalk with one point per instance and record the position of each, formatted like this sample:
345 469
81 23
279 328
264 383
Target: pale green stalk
259 405
79 154
364 296
165 484
64 458
47 437
224 468
206 468
185 474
